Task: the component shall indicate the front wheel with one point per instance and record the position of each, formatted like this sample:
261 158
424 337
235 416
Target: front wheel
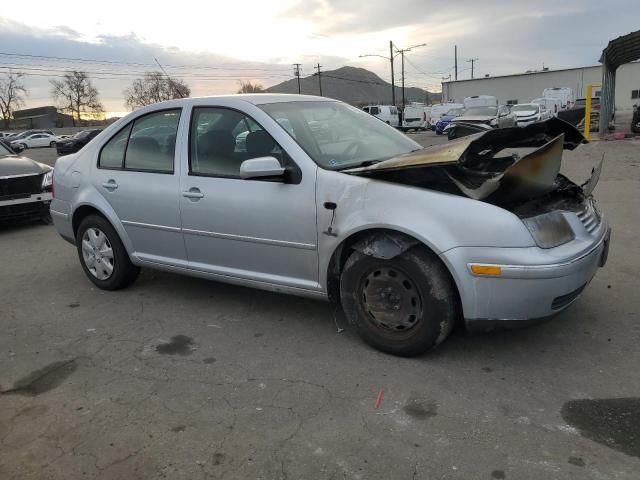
403 306
102 256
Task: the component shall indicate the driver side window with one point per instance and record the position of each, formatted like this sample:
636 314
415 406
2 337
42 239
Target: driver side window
221 139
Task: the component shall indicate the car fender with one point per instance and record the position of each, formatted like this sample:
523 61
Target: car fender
440 221
89 196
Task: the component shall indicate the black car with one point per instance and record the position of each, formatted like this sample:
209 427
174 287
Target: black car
25 187
75 143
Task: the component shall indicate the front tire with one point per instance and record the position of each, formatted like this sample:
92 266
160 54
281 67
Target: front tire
102 256
403 306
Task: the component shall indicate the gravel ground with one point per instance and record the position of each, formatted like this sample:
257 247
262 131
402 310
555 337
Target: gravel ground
183 378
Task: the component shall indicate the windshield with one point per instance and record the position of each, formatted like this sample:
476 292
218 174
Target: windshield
336 135
525 108
4 151
454 112
483 111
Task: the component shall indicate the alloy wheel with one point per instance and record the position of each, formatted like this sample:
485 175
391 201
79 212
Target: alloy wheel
97 253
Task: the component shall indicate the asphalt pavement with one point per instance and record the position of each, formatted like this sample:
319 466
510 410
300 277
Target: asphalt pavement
183 378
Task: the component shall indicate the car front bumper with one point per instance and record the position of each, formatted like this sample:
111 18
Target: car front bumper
524 123
534 284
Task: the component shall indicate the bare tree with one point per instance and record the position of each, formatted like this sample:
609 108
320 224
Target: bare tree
248 87
76 95
154 87
12 93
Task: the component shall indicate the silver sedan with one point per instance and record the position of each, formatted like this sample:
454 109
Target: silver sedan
310 196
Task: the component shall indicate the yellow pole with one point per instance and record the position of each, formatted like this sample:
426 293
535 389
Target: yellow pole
587 113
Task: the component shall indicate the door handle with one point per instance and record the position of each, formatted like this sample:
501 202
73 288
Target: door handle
110 185
193 193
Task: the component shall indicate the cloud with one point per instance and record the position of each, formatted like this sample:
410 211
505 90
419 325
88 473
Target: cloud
206 73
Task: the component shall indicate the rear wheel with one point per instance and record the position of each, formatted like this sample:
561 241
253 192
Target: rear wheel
52 144
403 306
102 255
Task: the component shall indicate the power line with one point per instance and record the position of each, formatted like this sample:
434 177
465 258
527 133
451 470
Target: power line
114 62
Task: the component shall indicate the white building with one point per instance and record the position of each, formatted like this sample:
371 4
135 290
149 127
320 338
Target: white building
524 87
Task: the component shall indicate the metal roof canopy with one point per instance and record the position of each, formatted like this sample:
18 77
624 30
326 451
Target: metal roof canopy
619 51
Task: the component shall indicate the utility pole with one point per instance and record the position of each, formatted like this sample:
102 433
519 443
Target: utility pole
455 55
402 55
472 60
393 86
296 72
319 78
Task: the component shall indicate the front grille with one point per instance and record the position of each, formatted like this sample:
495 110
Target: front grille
564 300
20 187
589 216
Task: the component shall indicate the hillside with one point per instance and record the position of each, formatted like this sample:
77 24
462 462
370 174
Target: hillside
353 85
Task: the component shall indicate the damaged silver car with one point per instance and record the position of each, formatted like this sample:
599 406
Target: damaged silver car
309 196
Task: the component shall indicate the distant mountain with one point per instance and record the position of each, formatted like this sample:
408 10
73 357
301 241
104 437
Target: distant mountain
356 86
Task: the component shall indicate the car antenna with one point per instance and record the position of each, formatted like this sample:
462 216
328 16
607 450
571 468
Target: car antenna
173 84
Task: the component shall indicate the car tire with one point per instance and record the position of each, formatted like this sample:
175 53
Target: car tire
123 272
52 144
438 132
24 146
404 306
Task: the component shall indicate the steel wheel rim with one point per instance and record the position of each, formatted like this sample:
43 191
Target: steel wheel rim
390 300
97 253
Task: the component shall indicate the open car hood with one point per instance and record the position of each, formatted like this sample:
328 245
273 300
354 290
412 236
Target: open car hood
499 165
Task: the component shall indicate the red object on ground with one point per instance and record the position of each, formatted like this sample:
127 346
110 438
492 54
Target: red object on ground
619 136
378 399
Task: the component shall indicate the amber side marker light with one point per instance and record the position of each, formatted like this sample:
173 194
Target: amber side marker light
490 270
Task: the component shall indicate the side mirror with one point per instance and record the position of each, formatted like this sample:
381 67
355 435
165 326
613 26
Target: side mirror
267 168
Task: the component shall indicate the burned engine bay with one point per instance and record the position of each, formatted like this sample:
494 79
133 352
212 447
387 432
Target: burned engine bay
514 168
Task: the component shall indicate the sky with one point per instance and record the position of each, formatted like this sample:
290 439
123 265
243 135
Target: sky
213 45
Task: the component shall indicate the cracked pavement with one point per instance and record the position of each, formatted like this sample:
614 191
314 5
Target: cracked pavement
182 378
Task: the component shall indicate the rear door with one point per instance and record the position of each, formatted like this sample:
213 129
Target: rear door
137 174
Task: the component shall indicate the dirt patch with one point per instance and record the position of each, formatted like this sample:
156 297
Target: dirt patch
419 409
614 422
43 379
179 345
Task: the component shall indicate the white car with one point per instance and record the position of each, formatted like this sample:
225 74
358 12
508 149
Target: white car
440 110
528 113
36 140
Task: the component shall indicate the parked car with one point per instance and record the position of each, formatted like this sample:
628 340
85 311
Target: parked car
25 187
444 121
496 117
387 113
414 117
527 113
36 140
404 237
553 105
75 143
563 94
480 101
26 133
439 110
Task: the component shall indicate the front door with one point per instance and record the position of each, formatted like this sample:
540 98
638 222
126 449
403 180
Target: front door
137 176
252 229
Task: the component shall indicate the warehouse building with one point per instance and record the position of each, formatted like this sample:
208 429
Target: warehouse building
40 117
524 87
